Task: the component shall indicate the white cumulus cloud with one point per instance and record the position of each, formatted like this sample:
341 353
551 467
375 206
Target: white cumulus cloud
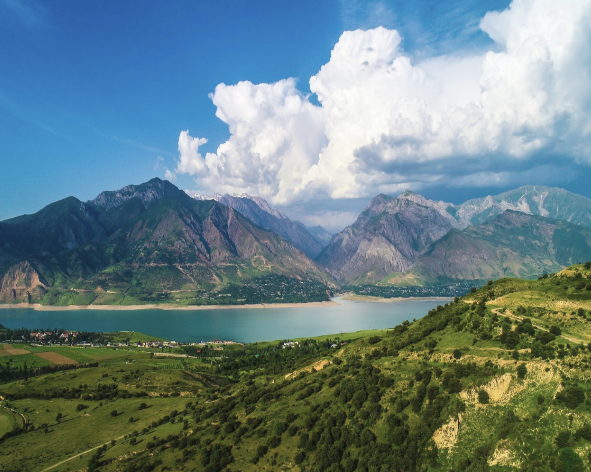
384 123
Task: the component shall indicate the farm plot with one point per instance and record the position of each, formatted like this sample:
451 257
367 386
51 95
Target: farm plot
8 350
56 358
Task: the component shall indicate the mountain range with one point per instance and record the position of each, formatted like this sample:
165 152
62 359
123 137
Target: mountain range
392 234
135 243
153 242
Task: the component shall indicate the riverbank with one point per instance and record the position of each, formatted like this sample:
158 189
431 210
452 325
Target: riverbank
38 307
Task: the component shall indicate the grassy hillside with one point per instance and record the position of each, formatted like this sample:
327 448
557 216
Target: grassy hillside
497 380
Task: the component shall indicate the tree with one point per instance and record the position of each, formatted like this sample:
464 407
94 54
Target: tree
483 397
521 371
457 354
555 330
113 413
59 417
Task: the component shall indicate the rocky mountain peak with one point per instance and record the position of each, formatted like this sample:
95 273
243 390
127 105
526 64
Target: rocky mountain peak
148 193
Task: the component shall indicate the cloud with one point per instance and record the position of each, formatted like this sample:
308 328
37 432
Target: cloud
170 176
384 123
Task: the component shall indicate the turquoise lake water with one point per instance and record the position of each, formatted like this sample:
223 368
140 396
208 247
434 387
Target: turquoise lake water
242 325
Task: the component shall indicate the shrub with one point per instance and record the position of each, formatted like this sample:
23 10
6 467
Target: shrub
274 441
113 413
572 396
521 371
555 330
457 354
483 397
299 457
142 406
584 432
562 439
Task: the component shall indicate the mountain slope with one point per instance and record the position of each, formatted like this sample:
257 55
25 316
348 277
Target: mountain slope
387 237
261 213
138 242
513 244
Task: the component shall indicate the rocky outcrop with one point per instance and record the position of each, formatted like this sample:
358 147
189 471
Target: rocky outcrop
22 283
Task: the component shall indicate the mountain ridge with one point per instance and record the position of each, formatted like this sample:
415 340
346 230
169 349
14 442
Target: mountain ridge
259 211
140 240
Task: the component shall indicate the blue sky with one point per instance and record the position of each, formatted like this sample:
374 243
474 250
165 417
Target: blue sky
94 94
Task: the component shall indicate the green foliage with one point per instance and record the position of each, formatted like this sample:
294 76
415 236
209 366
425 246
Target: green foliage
483 396
572 396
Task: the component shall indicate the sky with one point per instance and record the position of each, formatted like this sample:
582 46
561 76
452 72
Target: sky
315 106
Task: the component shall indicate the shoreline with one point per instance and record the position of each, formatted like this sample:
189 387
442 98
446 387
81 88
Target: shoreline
167 307
369 299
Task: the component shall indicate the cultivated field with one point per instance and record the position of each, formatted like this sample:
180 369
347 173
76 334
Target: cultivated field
56 358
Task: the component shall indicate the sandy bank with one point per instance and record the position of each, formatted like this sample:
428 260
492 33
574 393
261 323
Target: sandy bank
168 307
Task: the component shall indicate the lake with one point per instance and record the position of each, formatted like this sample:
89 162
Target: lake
242 325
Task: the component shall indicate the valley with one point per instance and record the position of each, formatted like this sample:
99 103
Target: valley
495 380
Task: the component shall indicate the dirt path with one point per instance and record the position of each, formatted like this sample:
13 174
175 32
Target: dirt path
80 453
14 411
517 318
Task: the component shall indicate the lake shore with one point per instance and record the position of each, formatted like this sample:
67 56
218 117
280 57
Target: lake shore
39 307
351 297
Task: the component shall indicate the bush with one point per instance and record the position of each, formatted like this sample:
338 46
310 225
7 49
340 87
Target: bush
457 354
521 371
584 432
483 397
572 396
562 439
142 406
81 407
299 457
113 413
274 441
555 330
